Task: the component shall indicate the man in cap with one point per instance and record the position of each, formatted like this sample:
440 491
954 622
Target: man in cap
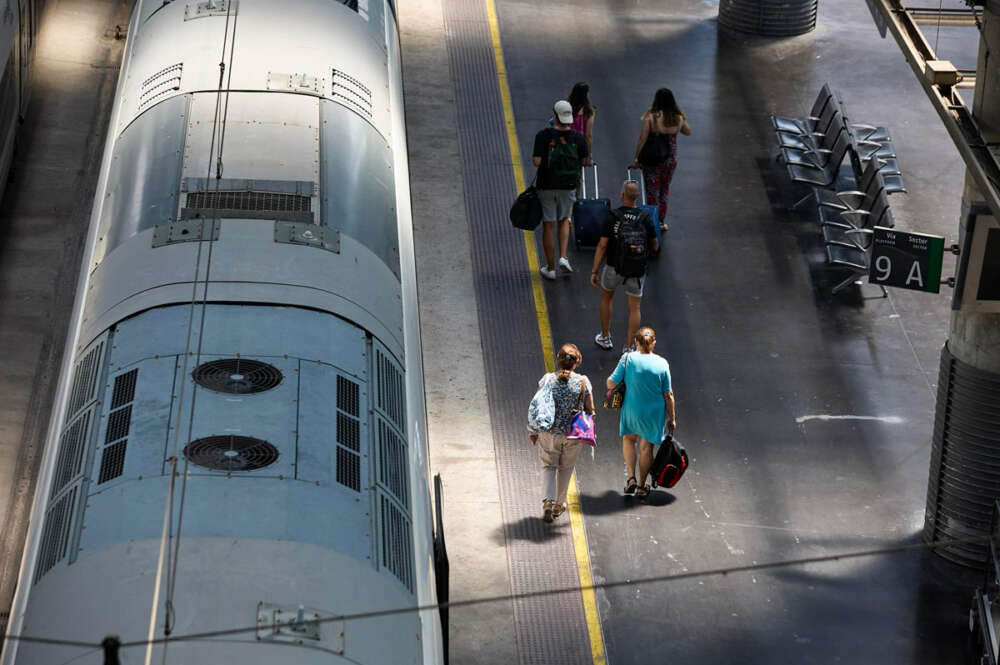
559 153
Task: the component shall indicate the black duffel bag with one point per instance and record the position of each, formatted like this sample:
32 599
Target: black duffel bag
670 463
526 213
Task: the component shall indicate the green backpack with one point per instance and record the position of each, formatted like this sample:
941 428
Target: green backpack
563 163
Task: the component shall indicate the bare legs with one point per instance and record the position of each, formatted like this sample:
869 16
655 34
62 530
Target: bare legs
634 318
645 456
606 298
549 240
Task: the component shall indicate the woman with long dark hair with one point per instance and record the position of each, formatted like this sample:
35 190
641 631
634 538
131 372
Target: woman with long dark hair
656 150
583 112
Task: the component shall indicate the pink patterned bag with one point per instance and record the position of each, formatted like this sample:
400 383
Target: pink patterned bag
581 428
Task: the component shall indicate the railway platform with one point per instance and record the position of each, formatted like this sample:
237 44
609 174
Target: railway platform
808 416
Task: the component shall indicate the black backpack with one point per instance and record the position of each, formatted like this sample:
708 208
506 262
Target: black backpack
563 165
631 242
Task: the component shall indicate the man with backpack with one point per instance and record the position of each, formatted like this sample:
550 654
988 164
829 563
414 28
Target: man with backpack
560 151
627 240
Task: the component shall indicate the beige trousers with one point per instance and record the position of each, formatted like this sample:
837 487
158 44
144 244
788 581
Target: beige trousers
558 457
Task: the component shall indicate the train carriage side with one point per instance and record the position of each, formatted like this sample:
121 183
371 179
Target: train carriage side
247 315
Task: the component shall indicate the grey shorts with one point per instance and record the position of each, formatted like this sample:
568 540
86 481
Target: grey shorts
557 204
611 280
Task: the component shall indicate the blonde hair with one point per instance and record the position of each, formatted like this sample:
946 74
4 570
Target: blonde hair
645 338
567 358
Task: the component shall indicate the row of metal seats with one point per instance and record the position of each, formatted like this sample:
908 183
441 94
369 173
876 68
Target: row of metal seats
813 151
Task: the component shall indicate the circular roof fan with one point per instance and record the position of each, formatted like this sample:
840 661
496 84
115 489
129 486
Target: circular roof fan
231 453
237 376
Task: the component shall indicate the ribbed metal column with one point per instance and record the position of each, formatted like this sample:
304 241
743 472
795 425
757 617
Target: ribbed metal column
771 18
965 459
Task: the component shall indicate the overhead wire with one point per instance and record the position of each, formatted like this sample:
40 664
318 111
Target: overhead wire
506 598
220 117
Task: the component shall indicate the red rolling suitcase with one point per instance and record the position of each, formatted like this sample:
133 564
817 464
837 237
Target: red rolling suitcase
670 463
589 215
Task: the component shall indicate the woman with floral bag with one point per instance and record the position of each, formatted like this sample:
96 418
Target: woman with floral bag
572 425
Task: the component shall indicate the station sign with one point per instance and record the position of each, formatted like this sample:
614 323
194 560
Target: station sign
906 260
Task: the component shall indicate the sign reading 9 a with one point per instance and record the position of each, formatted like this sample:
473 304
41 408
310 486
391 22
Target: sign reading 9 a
906 260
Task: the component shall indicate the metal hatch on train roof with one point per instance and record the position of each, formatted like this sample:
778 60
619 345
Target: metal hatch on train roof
337 61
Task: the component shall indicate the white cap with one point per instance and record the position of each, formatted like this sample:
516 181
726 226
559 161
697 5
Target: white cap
563 111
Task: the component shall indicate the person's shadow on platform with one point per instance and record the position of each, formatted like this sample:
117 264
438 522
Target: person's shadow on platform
535 530
615 502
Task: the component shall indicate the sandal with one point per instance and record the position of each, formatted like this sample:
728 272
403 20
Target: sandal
630 485
558 510
664 227
547 506
642 492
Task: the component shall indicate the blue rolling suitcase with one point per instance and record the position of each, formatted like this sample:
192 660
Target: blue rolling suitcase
651 209
589 215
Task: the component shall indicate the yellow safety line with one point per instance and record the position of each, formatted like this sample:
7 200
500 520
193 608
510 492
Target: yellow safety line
545 334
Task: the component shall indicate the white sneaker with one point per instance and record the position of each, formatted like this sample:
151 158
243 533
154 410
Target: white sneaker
564 265
603 342
546 273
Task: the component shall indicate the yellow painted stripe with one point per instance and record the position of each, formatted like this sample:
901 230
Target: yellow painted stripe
545 334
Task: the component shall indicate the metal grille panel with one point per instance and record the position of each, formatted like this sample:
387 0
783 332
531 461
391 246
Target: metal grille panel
397 546
55 536
72 446
84 381
160 84
124 391
348 469
391 390
352 93
249 200
118 424
348 432
393 467
112 462
965 460
347 396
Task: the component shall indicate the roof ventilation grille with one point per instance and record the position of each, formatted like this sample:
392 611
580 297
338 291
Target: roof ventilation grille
231 453
237 376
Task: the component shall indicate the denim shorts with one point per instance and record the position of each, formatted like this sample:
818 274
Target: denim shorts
611 280
557 204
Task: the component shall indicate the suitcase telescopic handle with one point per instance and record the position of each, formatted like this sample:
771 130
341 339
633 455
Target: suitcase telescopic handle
583 182
641 180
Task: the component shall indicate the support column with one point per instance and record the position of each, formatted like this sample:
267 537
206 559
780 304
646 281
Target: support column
771 18
965 460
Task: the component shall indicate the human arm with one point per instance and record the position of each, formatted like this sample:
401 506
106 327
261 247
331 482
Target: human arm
588 399
618 375
602 248
668 401
588 131
685 127
538 150
643 135
584 147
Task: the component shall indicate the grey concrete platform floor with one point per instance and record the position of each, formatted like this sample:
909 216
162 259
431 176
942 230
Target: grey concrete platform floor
758 346
43 222
740 300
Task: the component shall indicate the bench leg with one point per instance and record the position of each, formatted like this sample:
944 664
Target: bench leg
844 284
802 200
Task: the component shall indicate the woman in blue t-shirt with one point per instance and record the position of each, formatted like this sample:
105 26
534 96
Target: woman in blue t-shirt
649 401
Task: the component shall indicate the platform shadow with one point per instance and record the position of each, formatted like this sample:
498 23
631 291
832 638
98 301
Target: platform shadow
615 502
532 529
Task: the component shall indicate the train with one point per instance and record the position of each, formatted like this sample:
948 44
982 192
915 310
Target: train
18 30
239 432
